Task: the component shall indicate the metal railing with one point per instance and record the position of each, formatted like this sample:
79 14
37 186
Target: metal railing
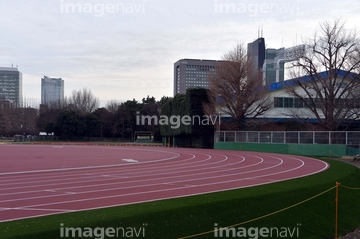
290 137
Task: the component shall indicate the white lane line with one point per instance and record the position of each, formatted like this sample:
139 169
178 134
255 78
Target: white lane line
4 209
130 160
42 209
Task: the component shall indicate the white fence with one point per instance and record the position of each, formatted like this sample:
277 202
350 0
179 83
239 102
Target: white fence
290 137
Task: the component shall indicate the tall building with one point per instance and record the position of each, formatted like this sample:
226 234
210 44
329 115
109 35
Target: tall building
272 61
11 85
256 52
265 59
274 65
52 90
273 69
191 73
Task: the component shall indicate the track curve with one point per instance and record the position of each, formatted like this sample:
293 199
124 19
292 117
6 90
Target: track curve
38 180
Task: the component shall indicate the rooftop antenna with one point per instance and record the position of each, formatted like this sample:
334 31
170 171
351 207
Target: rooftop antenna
262 30
259 30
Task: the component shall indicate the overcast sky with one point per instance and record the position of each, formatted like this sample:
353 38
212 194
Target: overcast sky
125 49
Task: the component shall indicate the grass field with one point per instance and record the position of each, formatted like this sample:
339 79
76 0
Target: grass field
187 216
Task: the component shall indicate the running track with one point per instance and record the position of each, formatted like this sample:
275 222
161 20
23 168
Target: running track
38 180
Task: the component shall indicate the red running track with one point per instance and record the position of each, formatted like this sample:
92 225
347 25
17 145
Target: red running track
38 180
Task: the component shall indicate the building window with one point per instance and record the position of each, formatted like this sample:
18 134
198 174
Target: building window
278 102
298 103
288 102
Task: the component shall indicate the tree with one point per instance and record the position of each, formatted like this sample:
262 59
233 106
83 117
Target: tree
107 122
68 124
83 101
199 128
126 116
47 118
331 63
236 89
112 106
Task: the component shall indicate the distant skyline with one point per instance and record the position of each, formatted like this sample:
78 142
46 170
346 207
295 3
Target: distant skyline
125 49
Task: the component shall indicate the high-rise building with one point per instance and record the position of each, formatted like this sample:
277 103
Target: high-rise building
265 59
191 73
11 85
272 61
256 52
52 90
273 69
274 66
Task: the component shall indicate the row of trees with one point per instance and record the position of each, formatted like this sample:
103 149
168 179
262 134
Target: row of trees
116 120
80 116
15 120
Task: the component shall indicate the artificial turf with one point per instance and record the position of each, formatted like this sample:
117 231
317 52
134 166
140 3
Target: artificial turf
182 217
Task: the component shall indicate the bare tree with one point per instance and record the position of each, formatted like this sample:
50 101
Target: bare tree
112 106
83 101
331 88
236 89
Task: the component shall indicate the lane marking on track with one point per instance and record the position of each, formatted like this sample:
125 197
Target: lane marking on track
42 209
58 191
4 209
130 160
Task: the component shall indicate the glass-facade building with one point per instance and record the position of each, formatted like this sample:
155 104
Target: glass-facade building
192 73
272 62
11 85
52 90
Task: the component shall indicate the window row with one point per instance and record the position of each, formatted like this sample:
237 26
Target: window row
288 102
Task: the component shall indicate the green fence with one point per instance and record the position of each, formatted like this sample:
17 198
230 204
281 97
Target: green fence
296 149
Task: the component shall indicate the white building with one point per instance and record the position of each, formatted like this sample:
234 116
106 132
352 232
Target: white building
286 105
